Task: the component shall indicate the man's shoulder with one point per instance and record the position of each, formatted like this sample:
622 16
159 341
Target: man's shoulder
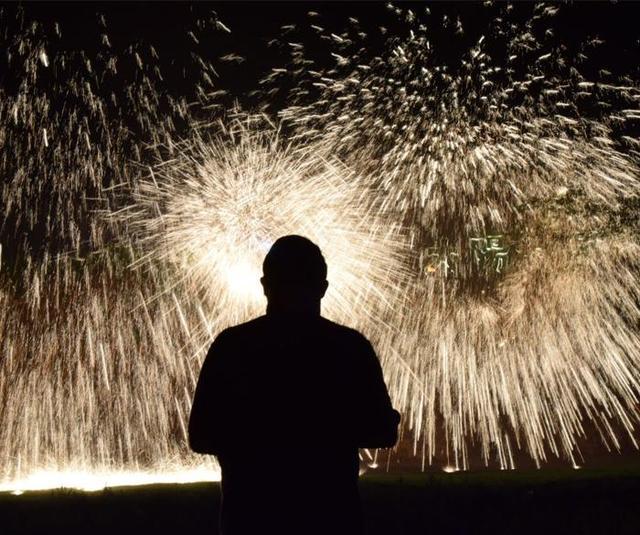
256 327
346 333
243 329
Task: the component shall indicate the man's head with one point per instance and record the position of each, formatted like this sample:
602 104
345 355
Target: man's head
294 272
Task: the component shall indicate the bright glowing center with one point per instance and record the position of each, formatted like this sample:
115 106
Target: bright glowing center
243 280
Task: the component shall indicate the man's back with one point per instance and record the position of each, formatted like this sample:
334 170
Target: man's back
284 403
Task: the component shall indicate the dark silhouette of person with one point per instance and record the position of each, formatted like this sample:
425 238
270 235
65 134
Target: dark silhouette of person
284 402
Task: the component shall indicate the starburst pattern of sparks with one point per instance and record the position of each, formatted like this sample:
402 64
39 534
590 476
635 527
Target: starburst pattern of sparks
214 210
517 179
479 217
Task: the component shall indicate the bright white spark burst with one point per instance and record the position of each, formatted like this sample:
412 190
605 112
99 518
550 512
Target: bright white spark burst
214 210
124 250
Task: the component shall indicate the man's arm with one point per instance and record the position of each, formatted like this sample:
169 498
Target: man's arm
207 414
378 420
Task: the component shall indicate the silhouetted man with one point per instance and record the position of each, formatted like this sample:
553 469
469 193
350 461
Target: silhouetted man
285 401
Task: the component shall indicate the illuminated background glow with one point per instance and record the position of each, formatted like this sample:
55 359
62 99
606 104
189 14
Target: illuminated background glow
478 212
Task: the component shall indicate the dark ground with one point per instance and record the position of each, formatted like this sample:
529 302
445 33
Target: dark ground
536 502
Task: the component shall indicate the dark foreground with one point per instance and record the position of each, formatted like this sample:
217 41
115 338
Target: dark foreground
542 502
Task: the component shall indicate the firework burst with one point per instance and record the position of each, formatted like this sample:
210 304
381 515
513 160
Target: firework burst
515 174
214 210
478 211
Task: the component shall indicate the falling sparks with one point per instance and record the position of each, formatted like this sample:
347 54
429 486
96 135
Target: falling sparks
519 186
479 218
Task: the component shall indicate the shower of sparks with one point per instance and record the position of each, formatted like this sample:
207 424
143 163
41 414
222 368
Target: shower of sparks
519 180
479 219
214 209
95 377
